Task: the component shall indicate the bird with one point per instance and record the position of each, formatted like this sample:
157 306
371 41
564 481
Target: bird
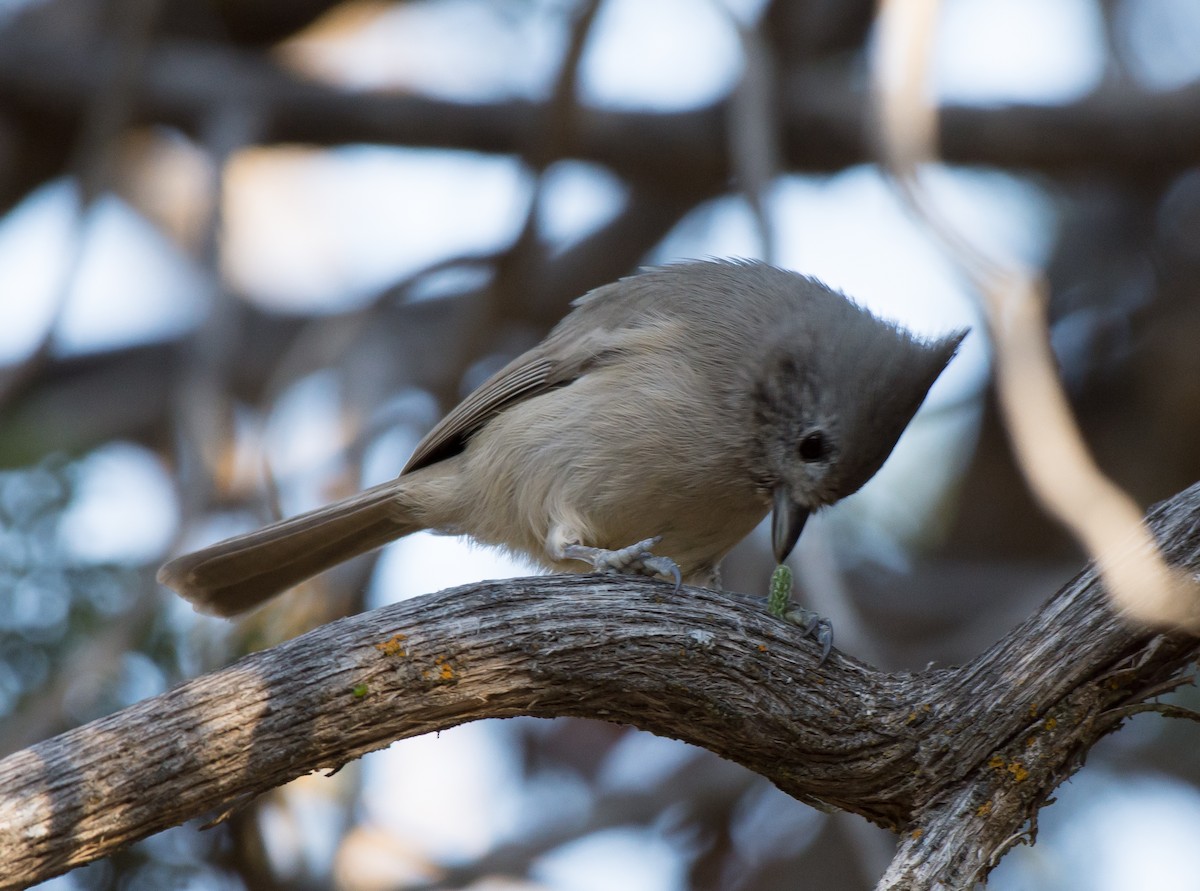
649 432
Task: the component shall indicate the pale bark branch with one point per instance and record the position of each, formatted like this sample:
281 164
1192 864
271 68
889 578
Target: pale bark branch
956 759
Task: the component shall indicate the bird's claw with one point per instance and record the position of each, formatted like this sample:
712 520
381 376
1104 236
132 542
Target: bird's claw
663 567
817 627
636 558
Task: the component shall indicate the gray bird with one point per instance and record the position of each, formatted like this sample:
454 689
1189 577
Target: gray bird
649 432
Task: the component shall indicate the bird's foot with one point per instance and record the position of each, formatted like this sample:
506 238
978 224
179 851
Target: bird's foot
779 605
812 625
635 559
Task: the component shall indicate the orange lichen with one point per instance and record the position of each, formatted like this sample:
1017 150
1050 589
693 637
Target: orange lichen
916 714
392 646
445 671
1018 770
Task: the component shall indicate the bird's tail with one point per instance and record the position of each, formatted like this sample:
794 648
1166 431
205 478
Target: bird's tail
238 574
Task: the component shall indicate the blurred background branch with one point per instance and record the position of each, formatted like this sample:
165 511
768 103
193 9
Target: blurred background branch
1054 458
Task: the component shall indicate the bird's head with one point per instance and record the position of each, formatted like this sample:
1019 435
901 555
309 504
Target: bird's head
834 393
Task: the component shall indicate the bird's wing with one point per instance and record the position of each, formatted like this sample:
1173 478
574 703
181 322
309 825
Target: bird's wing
596 333
526 377
565 356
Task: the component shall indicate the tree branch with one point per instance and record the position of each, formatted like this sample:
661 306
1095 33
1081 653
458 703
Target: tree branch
826 117
958 759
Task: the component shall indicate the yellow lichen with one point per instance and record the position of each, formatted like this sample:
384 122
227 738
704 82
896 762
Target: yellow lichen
392 646
916 714
1016 768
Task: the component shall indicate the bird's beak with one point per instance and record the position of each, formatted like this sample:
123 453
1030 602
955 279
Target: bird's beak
786 524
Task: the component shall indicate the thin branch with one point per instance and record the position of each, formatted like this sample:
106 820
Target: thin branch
1162 708
753 130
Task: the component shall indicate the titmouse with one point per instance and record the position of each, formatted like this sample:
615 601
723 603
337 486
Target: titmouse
650 432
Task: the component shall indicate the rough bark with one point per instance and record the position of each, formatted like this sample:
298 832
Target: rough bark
958 760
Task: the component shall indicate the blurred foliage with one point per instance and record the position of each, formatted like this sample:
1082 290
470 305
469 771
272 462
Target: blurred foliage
53 606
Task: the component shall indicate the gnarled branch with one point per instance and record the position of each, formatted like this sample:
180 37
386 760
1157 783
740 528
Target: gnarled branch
958 759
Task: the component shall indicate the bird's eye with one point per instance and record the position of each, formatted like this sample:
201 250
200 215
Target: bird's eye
813 447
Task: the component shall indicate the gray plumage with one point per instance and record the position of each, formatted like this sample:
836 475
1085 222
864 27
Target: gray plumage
678 403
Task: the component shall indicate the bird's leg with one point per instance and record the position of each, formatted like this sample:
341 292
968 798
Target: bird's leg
635 559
